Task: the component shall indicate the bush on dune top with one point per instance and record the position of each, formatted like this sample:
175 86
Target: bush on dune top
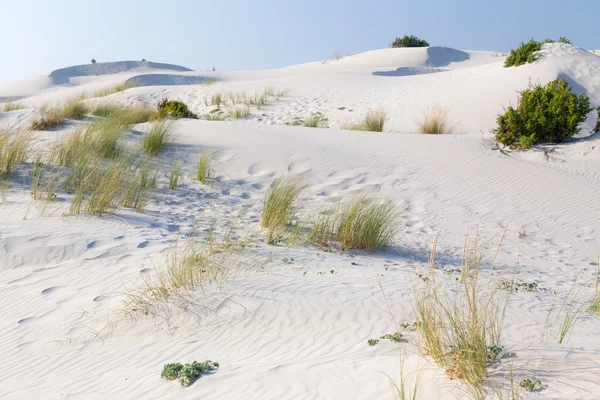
409 41
545 113
525 53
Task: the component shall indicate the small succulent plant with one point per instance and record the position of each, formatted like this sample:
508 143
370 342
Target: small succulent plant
188 373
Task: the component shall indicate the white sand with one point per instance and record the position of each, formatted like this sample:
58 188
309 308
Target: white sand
288 332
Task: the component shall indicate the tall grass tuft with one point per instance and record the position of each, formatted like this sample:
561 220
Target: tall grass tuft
160 134
175 174
374 122
13 150
238 111
205 170
435 121
74 109
126 115
47 121
361 222
461 328
281 200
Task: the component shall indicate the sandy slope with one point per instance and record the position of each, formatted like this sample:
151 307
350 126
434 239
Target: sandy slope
295 330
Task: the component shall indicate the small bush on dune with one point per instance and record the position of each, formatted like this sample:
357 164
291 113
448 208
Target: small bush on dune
175 109
435 121
361 222
13 150
525 53
545 113
8 107
409 41
158 135
188 373
280 206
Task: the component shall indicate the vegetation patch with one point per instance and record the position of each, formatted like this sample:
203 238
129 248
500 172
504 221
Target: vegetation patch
13 150
409 41
526 52
116 89
545 113
160 134
435 121
281 204
188 373
175 109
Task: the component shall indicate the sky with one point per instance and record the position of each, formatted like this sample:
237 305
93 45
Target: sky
43 35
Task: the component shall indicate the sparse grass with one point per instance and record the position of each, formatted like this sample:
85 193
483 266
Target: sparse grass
58 115
460 329
12 106
374 122
238 111
435 121
205 170
215 115
216 100
13 150
160 134
126 115
74 109
281 93
43 184
115 89
175 174
281 206
315 120
362 222
138 184
47 121
567 315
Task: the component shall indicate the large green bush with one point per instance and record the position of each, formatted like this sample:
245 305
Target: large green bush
174 108
409 41
546 113
525 53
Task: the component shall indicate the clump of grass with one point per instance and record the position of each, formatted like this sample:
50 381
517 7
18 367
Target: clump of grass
281 93
361 222
126 115
435 121
374 122
58 115
238 111
115 89
13 150
159 135
216 100
12 106
205 170
215 115
43 186
74 109
138 184
280 207
315 120
47 121
175 174
461 330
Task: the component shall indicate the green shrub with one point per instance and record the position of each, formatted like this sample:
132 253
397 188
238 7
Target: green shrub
525 53
409 41
549 113
174 108
188 373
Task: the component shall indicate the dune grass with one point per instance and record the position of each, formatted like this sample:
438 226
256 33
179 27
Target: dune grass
315 120
374 122
362 222
116 89
460 328
205 170
159 135
13 150
281 203
435 121
59 114
238 111
175 174
126 115
47 121
12 106
216 100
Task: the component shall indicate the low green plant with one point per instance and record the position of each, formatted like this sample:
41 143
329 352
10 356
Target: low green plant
394 337
205 170
175 109
529 384
409 41
372 342
545 113
281 203
160 134
188 373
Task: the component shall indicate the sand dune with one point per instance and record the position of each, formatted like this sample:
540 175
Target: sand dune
297 328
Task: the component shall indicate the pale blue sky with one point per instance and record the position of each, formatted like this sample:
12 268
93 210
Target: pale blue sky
42 35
